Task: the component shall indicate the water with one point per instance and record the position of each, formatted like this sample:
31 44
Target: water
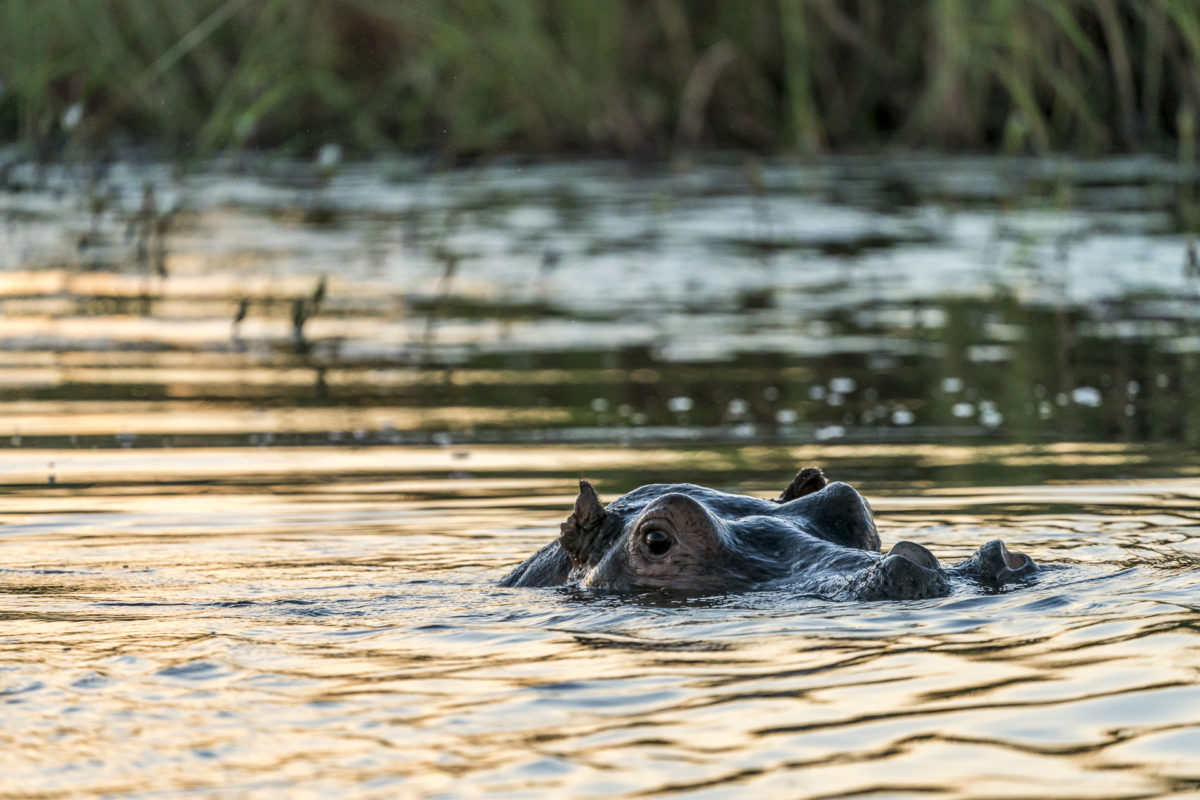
313 634
916 300
273 436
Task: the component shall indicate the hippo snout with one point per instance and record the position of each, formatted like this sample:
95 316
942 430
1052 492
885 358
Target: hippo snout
994 565
916 553
908 572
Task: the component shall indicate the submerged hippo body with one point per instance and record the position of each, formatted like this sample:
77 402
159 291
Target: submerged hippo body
818 537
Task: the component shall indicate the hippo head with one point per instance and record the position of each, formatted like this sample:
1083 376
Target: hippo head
675 542
817 537
685 537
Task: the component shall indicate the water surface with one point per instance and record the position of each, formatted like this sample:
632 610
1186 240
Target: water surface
313 634
912 299
273 431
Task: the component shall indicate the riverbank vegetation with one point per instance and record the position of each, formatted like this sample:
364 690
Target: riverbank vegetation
464 77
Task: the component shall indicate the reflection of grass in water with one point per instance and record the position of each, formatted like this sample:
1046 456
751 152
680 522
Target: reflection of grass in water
470 76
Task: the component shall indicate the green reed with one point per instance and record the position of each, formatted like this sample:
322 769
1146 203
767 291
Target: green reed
461 77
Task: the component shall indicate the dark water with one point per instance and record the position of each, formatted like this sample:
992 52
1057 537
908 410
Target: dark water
916 299
274 433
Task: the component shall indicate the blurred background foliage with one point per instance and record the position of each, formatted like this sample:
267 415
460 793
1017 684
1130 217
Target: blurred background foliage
466 77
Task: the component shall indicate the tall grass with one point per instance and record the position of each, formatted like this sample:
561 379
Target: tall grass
473 76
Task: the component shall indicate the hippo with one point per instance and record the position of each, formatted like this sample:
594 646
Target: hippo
817 537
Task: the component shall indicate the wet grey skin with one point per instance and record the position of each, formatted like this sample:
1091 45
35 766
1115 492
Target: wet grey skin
816 537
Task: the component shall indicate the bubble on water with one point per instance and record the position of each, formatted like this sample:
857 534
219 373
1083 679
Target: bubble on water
624 409
737 407
989 415
1061 398
599 405
979 353
952 385
771 394
745 431
1162 381
1086 396
816 393
902 416
1132 388
963 410
1130 409
786 416
843 385
835 399
681 404
330 155
638 418
72 116
830 432
1045 410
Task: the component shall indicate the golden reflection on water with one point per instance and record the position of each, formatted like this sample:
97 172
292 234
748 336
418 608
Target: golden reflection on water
268 622
90 419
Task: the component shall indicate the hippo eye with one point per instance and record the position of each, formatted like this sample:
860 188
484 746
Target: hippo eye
657 542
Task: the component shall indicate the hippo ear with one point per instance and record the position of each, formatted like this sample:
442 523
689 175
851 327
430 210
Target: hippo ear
588 509
580 529
807 481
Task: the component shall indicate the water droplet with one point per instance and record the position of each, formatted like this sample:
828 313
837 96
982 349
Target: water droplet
72 116
680 405
1086 396
830 432
843 385
330 155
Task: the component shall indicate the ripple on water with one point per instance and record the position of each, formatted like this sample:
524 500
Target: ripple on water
300 665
